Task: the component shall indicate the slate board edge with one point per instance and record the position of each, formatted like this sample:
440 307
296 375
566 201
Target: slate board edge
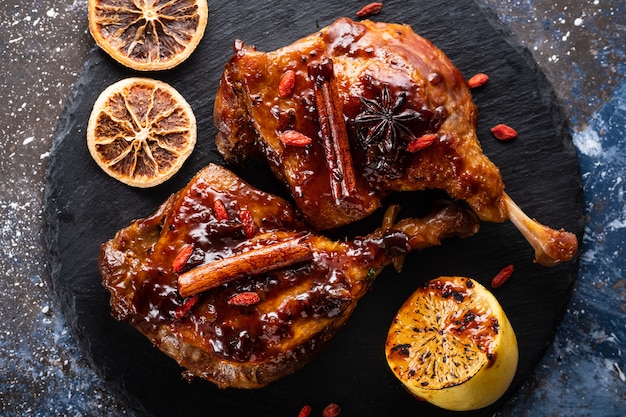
560 121
50 234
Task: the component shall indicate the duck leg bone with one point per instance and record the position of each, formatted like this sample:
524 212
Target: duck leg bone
551 246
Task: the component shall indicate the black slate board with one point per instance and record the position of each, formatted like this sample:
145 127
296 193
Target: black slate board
84 207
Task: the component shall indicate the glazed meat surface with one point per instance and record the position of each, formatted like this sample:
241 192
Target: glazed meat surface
393 87
230 283
375 109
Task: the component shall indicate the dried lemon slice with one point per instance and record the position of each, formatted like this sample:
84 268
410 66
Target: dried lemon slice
452 345
148 35
141 131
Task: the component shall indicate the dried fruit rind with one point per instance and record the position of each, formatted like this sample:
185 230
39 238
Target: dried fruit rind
148 35
452 345
141 131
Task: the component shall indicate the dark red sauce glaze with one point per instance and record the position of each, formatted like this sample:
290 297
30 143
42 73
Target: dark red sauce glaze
394 87
350 41
370 63
317 290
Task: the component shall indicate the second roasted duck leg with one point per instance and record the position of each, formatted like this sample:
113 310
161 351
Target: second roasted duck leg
227 281
376 109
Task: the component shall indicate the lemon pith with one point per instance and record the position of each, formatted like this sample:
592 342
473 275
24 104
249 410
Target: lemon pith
451 344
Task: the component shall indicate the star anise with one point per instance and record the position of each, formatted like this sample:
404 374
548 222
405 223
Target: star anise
386 120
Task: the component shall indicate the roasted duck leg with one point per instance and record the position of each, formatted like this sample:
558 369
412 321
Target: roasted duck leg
359 110
226 280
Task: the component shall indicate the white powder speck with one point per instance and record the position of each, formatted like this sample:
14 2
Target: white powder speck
614 366
578 21
28 140
16 39
588 142
51 13
616 224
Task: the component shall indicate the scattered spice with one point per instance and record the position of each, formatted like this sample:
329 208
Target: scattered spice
387 119
370 10
477 80
181 258
255 261
244 299
219 209
287 83
305 411
333 129
184 308
331 410
503 132
294 138
502 276
421 143
249 228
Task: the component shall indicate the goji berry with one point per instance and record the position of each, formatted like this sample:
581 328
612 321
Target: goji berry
181 258
502 276
287 83
249 228
370 10
219 209
184 308
503 132
305 411
421 142
246 298
331 410
294 138
477 80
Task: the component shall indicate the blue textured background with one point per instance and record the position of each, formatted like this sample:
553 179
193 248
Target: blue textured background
582 373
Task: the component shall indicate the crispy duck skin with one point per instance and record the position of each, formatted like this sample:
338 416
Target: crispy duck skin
287 295
380 91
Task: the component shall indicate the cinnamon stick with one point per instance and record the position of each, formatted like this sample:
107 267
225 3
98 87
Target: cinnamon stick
253 262
333 128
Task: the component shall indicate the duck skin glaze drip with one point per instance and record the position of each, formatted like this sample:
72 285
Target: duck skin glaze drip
382 110
228 281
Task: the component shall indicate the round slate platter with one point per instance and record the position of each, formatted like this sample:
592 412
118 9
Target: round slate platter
84 208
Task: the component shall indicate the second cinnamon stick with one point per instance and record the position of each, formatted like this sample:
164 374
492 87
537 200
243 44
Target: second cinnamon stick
253 262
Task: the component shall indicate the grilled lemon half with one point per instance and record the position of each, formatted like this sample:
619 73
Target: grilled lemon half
452 345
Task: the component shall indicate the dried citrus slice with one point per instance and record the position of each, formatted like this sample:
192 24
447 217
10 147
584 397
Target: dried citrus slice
148 35
452 345
141 131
